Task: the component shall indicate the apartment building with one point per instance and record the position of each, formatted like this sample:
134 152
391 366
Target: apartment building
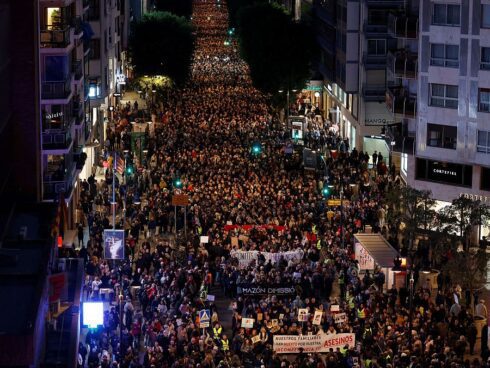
109 22
452 151
337 33
366 47
63 127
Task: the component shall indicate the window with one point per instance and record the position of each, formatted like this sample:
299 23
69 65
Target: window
445 14
485 16
376 47
485 178
442 136
377 17
484 100
95 49
483 144
443 95
444 55
56 68
485 58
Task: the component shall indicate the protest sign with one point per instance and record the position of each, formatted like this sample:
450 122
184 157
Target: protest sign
285 344
248 322
317 319
303 314
340 317
257 290
245 257
366 262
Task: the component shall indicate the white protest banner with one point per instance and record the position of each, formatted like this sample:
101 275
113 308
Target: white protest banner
340 317
245 257
248 322
204 239
317 319
285 344
334 308
303 314
255 339
366 262
210 298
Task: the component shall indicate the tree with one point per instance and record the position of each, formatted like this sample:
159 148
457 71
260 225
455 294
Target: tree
411 207
162 44
182 8
468 268
461 216
278 51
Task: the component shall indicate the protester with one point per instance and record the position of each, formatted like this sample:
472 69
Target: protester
254 219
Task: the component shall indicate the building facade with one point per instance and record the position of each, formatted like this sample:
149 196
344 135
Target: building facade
452 151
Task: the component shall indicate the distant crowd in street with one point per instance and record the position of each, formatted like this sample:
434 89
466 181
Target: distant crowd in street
246 201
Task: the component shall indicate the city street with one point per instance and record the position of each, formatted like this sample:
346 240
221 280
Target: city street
255 268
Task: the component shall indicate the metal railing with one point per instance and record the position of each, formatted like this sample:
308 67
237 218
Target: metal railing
403 64
403 27
398 102
373 92
55 37
374 61
56 139
56 90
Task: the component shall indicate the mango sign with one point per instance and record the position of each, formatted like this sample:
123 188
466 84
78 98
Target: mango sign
290 344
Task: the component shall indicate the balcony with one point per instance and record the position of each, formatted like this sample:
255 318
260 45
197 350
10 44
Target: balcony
61 120
77 69
372 62
55 37
403 64
375 30
56 90
56 139
399 102
373 92
57 180
403 27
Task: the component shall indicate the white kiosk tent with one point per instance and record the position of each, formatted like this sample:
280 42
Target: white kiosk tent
373 250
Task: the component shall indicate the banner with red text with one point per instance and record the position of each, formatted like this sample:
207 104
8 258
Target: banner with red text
285 344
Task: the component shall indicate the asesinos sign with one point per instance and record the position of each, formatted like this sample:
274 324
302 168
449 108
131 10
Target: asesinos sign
366 262
290 344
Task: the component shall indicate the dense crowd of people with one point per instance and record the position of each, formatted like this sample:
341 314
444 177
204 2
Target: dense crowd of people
260 202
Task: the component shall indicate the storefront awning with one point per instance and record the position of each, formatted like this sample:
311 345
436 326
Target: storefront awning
378 248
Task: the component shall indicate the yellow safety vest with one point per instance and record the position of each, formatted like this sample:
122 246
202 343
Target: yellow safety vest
313 229
343 351
225 345
217 331
361 313
319 245
351 302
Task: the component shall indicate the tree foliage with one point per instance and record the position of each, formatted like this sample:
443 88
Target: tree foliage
162 44
468 268
278 51
460 217
182 8
234 7
411 207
